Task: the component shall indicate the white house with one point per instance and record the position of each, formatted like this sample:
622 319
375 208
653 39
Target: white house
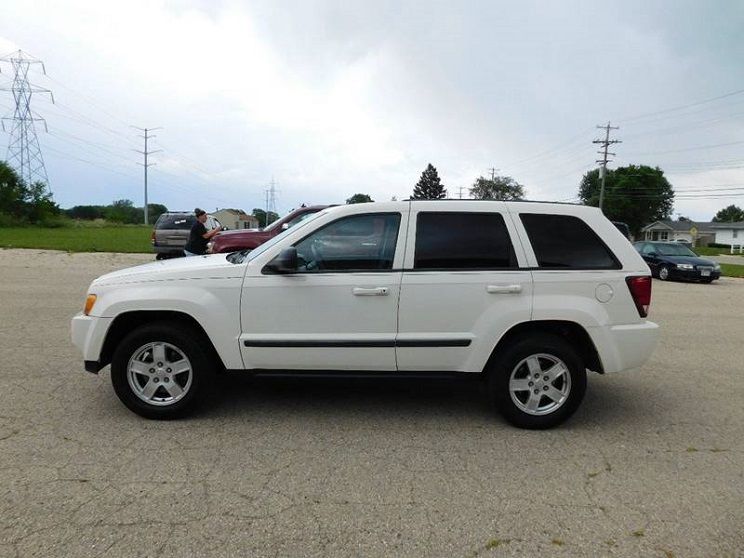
697 234
729 233
236 219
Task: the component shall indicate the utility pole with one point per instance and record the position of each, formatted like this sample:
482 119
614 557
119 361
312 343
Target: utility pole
461 188
24 152
147 136
493 173
605 144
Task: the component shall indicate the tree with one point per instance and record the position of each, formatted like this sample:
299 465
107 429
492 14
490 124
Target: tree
260 214
154 210
24 202
429 186
683 219
636 195
123 211
729 214
497 188
359 198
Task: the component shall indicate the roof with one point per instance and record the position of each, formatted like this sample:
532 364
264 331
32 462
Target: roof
729 225
681 226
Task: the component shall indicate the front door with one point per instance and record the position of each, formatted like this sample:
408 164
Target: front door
339 311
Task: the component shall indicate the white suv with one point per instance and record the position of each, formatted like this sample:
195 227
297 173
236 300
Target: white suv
526 295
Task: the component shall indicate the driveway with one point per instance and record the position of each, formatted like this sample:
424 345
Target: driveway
651 465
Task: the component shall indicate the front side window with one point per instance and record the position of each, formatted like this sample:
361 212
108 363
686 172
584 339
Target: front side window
564 241
462 240
355 243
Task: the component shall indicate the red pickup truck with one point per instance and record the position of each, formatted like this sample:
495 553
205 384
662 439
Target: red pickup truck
232 241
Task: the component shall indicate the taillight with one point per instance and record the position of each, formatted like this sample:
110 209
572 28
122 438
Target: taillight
640 290
152 237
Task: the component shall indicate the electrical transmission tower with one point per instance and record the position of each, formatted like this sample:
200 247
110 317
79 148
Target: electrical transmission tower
270 200
605 144
146 136
24 152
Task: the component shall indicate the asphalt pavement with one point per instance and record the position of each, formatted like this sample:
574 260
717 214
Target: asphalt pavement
652 464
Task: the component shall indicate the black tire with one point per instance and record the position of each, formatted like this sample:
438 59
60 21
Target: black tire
664 273
176 339
512 359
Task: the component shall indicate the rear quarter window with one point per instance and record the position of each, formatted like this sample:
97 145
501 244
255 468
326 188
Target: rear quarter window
566 242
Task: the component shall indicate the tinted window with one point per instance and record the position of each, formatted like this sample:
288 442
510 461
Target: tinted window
563 241
359 242
462 241
175 221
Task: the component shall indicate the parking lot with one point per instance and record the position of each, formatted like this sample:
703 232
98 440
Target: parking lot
652 464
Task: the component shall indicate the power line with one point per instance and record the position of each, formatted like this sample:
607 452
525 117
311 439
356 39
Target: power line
682 107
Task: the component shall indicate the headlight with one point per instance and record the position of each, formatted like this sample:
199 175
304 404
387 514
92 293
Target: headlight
685 266
89 302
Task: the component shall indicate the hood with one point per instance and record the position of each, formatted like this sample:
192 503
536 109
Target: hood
213 266
694 260
238 231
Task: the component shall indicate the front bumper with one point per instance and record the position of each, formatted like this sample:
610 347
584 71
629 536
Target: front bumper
694 274
88 334
624 346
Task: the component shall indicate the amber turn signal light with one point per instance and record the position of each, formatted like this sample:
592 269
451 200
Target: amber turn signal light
89 302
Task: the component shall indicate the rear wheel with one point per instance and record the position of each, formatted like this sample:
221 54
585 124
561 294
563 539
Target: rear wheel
538 382
161 370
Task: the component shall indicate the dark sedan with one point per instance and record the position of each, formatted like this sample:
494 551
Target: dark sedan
673 260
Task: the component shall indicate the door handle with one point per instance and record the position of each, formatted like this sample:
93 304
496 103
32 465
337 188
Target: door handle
504 289
375 291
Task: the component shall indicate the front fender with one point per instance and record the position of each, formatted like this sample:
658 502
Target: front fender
216 308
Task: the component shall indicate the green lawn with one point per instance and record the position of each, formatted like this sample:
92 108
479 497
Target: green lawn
707 251
732 270
122 238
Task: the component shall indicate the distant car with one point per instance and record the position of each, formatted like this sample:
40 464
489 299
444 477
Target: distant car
171 232
673 260
247 239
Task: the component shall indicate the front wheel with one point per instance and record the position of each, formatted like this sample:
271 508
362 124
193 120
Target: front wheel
538 382
161 370
664 273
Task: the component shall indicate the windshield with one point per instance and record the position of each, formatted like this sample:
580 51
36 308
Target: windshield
675 250
246 256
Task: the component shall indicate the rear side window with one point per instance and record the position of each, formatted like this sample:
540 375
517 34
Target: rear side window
564 241
175 222
462 241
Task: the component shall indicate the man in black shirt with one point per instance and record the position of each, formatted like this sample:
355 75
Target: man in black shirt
198 237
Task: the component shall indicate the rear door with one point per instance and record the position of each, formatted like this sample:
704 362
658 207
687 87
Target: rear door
463 285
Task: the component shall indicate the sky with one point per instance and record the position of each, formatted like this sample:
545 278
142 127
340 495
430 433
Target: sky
328 99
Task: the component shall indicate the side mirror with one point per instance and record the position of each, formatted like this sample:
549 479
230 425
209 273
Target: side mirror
285 262
285 226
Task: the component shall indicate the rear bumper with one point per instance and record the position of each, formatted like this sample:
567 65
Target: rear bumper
88 334
625 346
